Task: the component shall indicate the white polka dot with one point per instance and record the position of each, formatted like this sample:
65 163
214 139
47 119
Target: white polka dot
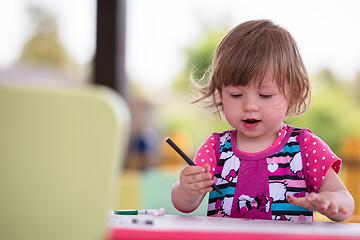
213 169
212 138
315 161
323 177
324 149
202 160
206 146
314 143
211 159
323 167
333 157
314 170
313 136
323 158
212 144
315 187
314 151
305 139
207 151
307 155
307 164
199 154
315 179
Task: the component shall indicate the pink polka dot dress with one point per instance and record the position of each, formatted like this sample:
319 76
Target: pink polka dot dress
255 185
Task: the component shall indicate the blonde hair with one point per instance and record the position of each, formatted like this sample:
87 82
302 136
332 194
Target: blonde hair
246 53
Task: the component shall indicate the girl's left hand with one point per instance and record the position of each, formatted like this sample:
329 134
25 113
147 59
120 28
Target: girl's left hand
332 200
320 202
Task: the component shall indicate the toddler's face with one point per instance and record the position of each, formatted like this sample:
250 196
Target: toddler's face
256 111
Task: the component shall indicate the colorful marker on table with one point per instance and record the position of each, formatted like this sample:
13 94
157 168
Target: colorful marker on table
187 159
156 212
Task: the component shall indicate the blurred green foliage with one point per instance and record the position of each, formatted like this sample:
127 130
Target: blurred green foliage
199 57
334 112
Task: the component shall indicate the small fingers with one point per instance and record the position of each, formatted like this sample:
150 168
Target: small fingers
333 209
206 167
196 179
193 170
199 177
312 197
190 170
315 203
199 187
343 210
310 202
297 201
324 204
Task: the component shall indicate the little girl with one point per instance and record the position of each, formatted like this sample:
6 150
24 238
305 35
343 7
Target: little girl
264 168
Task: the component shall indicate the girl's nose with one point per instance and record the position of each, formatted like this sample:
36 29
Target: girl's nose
250 105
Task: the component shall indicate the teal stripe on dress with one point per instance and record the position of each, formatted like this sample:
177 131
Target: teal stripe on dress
226 145
287 207
225 191
290 149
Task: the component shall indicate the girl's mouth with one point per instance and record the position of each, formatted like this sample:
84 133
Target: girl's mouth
251 123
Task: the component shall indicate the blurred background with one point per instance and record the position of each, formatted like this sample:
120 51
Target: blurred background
158 44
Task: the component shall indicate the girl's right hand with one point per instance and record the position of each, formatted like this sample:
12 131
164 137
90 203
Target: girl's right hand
196 180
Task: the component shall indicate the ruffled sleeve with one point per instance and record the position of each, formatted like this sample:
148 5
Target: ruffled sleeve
319 158
207 154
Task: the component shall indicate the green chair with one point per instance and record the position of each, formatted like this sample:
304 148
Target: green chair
60 153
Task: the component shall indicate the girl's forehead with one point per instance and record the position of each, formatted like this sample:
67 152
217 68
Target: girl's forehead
266 82
266 78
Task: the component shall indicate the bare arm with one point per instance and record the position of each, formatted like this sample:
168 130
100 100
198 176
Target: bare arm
188 193
332 200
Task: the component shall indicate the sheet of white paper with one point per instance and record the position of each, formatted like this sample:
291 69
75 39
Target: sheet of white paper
201 223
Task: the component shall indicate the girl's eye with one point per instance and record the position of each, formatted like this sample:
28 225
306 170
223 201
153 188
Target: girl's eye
236 95
265 95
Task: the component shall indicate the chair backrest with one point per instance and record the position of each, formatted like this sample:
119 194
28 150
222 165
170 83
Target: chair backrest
60 153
